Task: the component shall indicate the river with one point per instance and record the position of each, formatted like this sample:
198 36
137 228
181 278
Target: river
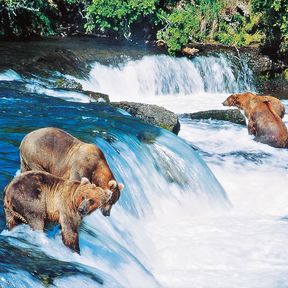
205 209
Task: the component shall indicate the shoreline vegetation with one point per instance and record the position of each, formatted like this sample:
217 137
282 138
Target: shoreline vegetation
180 27
172 23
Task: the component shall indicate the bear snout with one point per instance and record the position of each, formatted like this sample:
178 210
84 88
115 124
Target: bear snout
225 103
83 209
106 210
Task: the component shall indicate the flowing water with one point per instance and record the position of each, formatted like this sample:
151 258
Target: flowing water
175 225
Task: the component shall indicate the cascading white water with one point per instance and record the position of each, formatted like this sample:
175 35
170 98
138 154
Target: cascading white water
171 227
165 75
171 82
9 75
244 248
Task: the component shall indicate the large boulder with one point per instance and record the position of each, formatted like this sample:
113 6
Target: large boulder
231 115
151 114
58 59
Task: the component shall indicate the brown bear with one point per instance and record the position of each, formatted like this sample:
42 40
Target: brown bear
263 121
37 197
277 105
59 153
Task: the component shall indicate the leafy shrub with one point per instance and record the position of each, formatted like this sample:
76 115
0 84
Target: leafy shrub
274 22
24 18
193 22
117 16
209 21
241 31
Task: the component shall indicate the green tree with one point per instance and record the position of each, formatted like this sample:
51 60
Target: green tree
117 16
27 18
274 21
208 21
24 18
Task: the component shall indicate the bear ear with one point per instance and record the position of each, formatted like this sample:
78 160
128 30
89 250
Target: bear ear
120 186
112 184
84 181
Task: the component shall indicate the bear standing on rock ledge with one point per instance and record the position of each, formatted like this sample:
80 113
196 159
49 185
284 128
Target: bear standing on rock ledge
36 198
264 115
59 153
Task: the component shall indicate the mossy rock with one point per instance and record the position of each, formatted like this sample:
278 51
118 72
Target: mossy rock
151 114
231 115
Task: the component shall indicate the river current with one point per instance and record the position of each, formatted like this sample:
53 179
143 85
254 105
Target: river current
205 209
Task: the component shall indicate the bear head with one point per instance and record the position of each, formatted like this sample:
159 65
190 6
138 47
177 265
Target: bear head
240 100
89 197
116 189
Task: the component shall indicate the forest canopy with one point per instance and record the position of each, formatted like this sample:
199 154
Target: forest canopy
173 23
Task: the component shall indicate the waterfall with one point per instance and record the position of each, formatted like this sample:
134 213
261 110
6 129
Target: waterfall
156 76
174 225
161 173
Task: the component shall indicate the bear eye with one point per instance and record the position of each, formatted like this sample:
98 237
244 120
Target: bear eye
91 201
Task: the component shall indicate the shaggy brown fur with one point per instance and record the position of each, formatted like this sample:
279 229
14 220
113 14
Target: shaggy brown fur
59 153
277 105
36 198
263 121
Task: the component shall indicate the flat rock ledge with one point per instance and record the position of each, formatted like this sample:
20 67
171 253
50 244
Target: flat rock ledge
151 114
231 115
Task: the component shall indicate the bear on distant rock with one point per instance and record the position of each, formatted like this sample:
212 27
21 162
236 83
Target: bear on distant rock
59 153
264 119
36 198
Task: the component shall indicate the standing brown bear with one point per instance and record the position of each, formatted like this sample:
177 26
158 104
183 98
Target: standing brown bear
264 119
36 198
59 153
246 97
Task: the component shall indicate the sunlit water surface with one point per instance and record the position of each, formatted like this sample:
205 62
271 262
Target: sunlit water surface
174 225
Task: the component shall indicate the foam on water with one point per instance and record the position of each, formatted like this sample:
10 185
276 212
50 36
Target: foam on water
62 94
174 226
241 247
9 75
174 83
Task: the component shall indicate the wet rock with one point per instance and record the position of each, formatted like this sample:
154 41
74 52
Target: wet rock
152 114
96 96
38 264
64 83
277 87
259 62
61 60
231 115
93 96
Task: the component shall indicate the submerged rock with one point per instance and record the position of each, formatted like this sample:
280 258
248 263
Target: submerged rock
64 83
152 114
96 96
231 115
38 264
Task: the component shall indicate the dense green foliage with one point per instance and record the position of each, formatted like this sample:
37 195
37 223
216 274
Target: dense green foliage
177 22
23 18
26 18
274 22
209 21
118 16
